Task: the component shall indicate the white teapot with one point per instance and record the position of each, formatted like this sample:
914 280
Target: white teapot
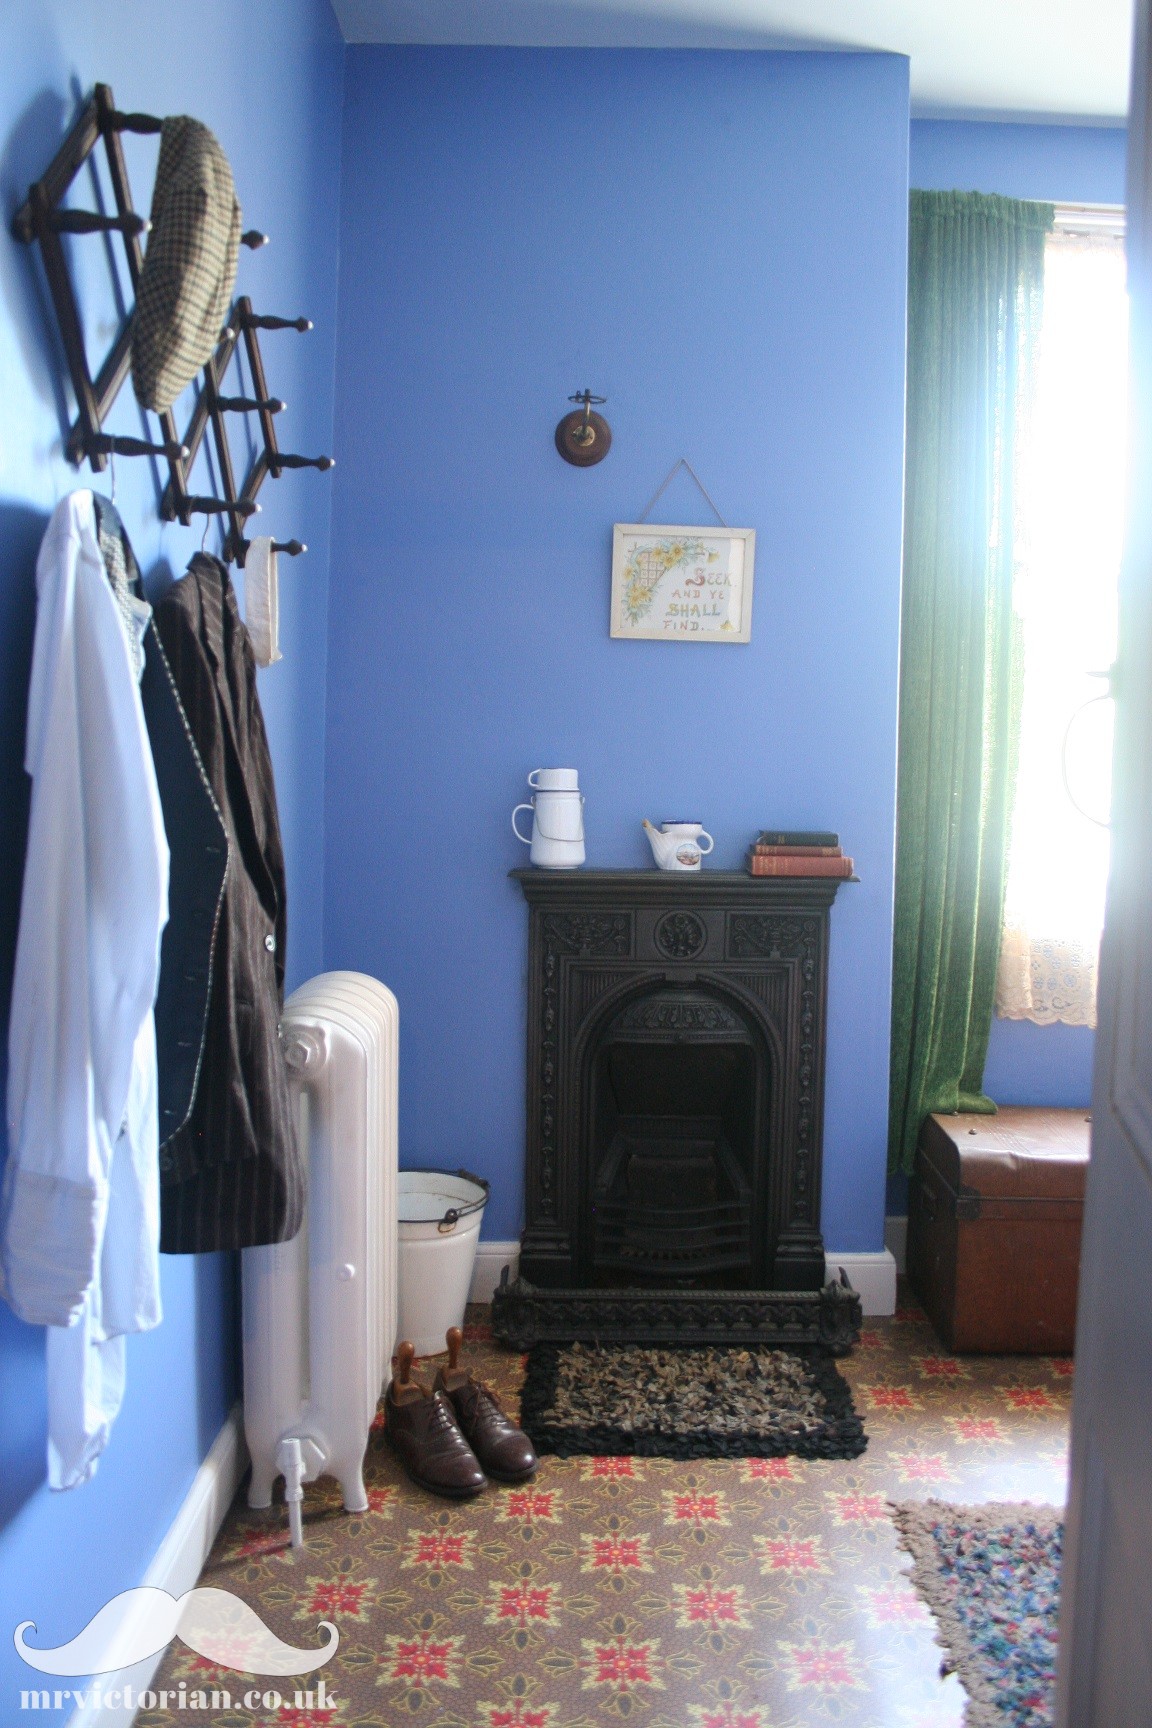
676 845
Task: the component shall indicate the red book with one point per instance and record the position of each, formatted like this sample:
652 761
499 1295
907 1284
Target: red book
797 852
761 865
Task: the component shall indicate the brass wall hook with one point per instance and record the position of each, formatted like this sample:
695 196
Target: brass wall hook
584 438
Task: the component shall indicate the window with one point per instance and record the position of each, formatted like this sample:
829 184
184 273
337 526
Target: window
1069 538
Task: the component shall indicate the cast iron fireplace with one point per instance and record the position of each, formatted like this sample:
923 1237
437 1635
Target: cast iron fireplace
675 1093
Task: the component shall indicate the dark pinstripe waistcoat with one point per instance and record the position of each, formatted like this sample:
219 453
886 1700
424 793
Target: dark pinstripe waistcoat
197 848
232 1176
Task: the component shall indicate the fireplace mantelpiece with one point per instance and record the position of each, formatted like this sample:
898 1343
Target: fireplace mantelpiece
719 960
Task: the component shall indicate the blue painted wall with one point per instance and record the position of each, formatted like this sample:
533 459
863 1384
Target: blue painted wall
266 75
1027 1064
1057 164
717 243
1030 1064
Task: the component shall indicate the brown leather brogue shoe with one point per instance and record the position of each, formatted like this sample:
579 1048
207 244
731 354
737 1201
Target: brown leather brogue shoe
422 1426
505 1452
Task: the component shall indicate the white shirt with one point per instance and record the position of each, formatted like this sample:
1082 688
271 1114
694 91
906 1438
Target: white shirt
79 1209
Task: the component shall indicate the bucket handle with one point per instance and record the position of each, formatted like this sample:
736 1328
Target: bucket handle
454 1213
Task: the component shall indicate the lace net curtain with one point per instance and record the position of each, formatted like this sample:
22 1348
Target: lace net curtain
1069 546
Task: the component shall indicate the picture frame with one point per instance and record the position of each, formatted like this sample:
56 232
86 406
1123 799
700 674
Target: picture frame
681 584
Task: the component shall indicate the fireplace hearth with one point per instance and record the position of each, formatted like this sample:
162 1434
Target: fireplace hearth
675 1093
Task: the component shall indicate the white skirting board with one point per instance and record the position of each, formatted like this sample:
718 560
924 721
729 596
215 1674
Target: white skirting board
177 1565
896 1241
873 1275
491 1259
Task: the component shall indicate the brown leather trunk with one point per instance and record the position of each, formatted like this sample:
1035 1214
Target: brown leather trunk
994 1213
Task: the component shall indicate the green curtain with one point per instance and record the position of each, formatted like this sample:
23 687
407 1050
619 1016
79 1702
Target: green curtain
975 287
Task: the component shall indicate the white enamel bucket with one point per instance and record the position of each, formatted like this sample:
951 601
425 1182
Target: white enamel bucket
440 1212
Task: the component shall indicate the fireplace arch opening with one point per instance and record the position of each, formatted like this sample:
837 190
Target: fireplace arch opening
676 1177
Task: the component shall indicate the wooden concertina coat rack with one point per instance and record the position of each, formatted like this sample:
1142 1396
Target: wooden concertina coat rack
44 219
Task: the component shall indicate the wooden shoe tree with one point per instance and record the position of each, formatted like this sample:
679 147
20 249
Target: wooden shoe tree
404 1389
453 1377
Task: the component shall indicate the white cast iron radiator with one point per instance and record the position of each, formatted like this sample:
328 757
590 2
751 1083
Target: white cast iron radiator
320 1311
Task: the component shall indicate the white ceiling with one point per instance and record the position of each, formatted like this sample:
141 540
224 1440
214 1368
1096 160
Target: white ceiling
1023 59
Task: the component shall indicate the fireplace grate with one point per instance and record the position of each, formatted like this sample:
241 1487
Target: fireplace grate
671 1201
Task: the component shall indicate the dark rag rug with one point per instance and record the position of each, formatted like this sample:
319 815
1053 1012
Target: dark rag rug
991 1576
687 1401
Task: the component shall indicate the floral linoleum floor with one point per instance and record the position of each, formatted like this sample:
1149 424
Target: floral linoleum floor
763 1593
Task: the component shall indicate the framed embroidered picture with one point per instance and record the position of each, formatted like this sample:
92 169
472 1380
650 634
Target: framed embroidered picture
672 584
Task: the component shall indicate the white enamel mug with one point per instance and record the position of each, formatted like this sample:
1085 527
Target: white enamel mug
554 780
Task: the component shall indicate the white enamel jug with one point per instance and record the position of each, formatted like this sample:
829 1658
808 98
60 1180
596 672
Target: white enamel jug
557 838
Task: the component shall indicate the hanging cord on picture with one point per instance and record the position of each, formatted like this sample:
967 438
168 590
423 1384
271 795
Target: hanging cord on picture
667 480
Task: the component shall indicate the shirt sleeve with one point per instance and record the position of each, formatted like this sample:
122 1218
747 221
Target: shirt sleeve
93 904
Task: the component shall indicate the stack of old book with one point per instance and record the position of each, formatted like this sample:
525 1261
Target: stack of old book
804 852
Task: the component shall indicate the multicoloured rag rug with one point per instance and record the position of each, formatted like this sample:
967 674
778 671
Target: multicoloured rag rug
687 1401
991 1576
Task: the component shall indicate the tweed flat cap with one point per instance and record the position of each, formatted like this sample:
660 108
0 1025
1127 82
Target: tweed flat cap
185 289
